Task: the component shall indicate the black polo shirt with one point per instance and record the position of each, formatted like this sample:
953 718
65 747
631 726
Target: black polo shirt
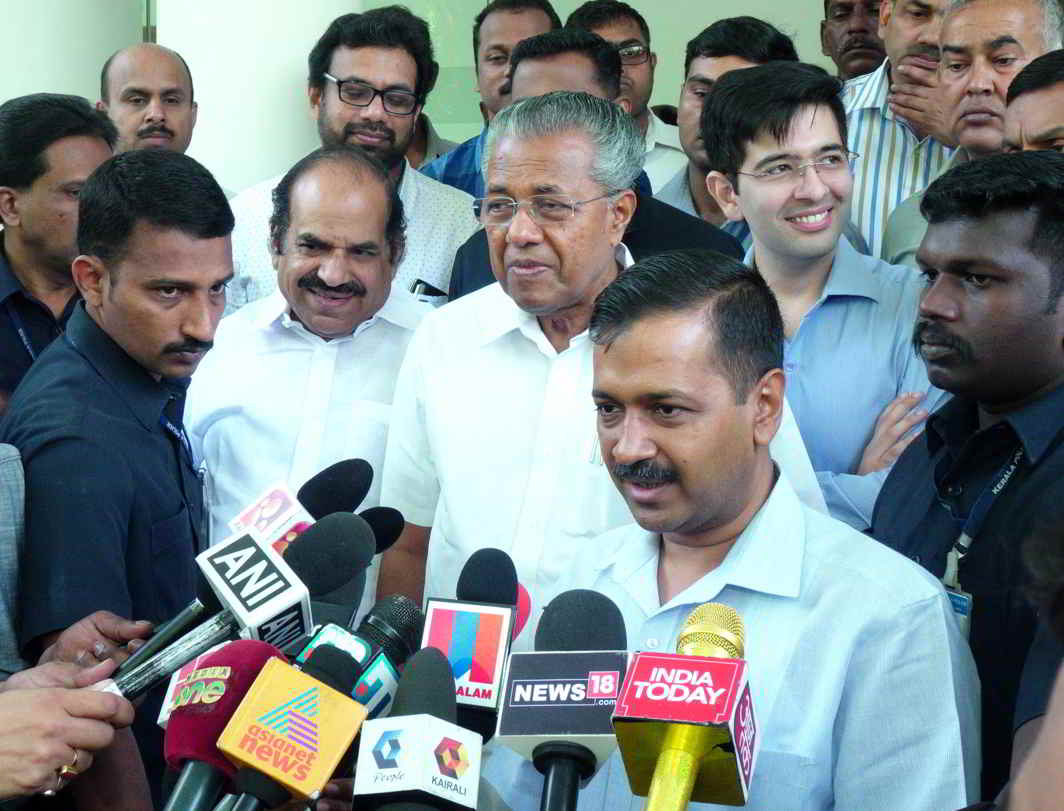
114 508
920 512
26 327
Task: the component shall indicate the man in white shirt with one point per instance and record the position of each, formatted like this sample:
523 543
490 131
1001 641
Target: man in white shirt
624 28
366 90
304 377
866 693
492 443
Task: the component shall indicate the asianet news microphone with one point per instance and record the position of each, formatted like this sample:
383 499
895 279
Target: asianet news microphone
685 722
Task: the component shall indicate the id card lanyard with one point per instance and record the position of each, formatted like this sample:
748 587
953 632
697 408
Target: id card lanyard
960 599
20 328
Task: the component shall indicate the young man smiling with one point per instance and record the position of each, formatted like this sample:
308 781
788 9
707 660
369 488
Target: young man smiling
776 135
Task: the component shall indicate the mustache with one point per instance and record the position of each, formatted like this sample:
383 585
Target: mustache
862 43
153 129
931 332
367 129
351 288
191 345
644 472
925 51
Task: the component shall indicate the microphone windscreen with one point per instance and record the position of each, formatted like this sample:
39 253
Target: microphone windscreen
488 577
331 551
339 488
387 524
427 686
581 619
332 666
394 624
207 700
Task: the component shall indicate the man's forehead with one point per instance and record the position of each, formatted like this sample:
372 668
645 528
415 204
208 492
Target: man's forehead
509 26
331 190
383 64
811 126
620 29
998 238
570 71
556 161
147 68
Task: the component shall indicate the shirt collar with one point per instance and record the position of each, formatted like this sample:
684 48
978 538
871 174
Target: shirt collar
145 396
658 132
505 316
767 557
870 91
849 275
9 283
1036 425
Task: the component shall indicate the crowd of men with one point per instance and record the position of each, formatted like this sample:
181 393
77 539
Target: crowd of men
795 344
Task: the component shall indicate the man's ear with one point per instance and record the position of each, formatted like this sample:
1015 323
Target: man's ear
624 104
824 49
886 8
314 95
767 400
91 277
725 194
101 106
9 214
195 114
621 214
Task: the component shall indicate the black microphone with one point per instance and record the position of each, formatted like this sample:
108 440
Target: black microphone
341 487
559 701
322 560
387 524
418 757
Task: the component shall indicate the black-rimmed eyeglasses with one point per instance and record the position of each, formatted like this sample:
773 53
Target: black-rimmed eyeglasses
360 94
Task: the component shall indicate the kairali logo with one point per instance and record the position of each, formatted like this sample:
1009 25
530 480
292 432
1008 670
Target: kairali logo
451 758
386 752
293 719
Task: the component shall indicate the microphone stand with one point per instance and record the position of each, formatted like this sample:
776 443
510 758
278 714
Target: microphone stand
563 765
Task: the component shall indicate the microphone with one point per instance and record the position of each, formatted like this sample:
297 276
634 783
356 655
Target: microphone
381 644
558 702
387 524
474 633
685 722
329 551
200 712
295 725
419 757
341 487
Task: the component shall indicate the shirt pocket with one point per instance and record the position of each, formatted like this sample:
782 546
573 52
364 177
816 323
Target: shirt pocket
173 569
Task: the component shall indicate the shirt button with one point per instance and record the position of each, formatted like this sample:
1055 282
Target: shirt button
954 490
652 643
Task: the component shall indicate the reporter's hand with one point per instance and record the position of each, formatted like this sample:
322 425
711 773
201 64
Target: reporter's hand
338 795
46 729
915 96
893 432
59 674
99 636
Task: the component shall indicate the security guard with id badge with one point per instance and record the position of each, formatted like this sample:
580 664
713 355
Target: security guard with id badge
115 514
965 494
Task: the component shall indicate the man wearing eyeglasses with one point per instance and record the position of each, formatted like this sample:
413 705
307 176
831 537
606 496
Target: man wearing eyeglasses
491 442
624 28
369 76
776 137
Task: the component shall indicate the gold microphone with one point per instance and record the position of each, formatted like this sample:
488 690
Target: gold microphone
712 629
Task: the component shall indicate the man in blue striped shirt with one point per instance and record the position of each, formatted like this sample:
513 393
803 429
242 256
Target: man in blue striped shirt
778 136
894 116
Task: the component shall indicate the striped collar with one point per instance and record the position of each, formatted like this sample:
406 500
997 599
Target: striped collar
869 92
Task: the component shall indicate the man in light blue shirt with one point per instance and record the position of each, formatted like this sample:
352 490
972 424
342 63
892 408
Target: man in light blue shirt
777 134
865 691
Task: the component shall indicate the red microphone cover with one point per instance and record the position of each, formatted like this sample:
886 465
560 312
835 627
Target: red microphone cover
207 699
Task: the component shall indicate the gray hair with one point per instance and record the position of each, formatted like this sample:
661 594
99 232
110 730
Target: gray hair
1053 15
617 143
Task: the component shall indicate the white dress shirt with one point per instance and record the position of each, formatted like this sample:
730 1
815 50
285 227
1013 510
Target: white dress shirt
274 402
438 220
663 156
866 694
494 444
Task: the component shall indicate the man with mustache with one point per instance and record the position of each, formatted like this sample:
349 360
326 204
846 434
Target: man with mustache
865 694
626 30
776 139
490 445
895 117
114 506
991 332
985 43
368 78
146 90
304 377
849 36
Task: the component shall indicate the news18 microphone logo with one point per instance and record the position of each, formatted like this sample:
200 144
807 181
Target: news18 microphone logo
475 638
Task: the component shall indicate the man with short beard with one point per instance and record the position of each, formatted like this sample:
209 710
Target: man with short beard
304 377
369 76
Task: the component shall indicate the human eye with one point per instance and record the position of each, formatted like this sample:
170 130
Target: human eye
606 411
355 93
219 287
399 100
956 66
496 58
928 275
841 12
496 206
1005 61
833 160
168 292
976 280
668 411
136 100
778 170
308 246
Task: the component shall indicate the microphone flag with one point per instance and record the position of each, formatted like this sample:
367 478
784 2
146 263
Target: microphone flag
475 638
